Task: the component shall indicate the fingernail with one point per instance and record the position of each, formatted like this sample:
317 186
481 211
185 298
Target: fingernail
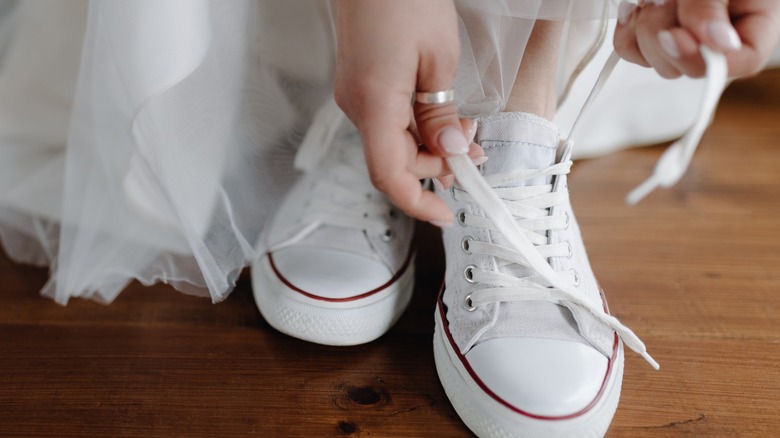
625 9
472 133
669 46
442 224
479 160
724 35
453 141
437 183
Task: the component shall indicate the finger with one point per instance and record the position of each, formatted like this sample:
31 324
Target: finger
759 34
682 50
625 36
439 124
626 11
413 129
409 196
439 129
427 165
446 180
443 183
404 190
652 19
469 126
709 22
387 145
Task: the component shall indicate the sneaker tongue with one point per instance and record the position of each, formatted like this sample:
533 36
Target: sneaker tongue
510 157
517 141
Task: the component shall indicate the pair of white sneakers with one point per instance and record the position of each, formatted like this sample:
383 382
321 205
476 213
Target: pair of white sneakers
524 344
518 353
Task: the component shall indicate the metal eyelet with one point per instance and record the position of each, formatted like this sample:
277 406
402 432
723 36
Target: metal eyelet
470 304
461 217
388 235
468 273
464 244
576 277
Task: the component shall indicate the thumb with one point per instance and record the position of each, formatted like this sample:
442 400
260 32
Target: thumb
710 23
440 129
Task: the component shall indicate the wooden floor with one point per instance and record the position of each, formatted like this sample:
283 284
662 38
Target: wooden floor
694 270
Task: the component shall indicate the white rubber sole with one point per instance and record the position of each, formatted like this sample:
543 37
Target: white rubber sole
326 322
487 417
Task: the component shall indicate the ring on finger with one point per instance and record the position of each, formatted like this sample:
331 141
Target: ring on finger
435 97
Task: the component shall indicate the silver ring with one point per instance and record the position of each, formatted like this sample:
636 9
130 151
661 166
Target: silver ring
435 97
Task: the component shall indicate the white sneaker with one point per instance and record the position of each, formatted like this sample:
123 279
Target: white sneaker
524 344
339 268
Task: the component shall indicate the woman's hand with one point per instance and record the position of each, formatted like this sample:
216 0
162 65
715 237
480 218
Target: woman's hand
666 34
387 50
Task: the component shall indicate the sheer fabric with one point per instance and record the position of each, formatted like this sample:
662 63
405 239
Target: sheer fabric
152 139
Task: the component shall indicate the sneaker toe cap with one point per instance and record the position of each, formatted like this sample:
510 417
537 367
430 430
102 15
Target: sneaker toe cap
328 273
542 377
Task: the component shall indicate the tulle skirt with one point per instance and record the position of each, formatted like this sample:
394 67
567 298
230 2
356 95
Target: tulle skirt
152 139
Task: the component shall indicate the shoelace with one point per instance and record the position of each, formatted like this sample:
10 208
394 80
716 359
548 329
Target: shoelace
343 196
529 205
676 158
546 284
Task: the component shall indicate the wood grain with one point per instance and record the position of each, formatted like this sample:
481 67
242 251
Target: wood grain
693 270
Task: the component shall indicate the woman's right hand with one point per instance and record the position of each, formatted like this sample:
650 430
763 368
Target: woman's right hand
387 50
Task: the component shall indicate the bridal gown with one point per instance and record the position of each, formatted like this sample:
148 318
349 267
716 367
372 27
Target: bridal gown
151 140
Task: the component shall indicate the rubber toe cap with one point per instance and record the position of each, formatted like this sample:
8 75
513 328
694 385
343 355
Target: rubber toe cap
541 377
328 273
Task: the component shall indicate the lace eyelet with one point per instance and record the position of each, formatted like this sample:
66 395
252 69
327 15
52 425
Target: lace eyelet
570 251
470 304
576 277
452 191
461 217
392 214
464 244
566 226
468 273
388 235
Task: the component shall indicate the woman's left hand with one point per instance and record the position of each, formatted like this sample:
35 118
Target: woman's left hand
666 34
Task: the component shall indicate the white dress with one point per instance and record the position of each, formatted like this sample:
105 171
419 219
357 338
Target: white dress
152 139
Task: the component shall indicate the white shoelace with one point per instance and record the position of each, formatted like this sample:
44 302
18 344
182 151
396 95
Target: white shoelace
676 158
499 204
530 207
343 196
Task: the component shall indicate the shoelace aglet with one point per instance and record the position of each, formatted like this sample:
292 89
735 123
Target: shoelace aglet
641 191
632 341
646 356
